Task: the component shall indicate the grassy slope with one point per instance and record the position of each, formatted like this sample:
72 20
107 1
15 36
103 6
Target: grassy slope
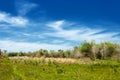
32 70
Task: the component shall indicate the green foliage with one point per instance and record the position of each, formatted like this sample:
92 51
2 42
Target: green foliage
105 50
68 53
22 54
11 54
110 48
85 47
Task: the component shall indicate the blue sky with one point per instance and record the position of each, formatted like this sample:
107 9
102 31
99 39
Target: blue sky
29 25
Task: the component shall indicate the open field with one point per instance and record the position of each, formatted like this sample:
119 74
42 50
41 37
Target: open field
58 69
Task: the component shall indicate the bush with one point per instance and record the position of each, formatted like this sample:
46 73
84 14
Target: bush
86 48
12 54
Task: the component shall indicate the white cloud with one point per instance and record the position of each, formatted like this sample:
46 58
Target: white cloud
81 34
32 35
7 19
23 7
56 25
26 46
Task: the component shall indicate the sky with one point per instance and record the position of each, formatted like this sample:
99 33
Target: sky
29 25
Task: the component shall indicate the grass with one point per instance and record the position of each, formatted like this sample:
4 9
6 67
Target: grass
15 69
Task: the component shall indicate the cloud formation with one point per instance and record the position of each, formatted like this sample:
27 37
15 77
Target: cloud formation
81 34
8 20
56 25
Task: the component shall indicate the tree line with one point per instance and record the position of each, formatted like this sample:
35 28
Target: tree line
92 50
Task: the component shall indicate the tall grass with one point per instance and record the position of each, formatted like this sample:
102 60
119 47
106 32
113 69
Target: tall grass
35 70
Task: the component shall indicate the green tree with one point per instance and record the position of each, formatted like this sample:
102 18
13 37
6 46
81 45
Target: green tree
61 53
86 48
67 53
52 53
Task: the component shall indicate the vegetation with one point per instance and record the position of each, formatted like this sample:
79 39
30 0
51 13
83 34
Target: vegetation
16 69
89 61
105 50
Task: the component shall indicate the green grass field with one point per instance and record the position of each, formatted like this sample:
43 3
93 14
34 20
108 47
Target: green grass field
40 70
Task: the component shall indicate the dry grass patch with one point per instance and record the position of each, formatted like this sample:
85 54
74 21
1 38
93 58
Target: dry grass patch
59 60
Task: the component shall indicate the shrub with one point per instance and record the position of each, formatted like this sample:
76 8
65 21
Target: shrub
107 50
86 48
11 54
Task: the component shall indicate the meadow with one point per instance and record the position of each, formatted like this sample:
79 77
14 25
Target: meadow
34 69
89 61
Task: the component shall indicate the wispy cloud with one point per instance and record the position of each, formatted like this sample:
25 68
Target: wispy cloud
82 33
56 25
7 20
24 6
